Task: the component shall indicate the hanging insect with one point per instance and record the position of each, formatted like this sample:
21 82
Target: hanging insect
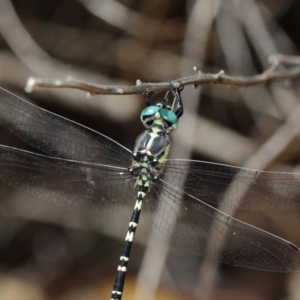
86 171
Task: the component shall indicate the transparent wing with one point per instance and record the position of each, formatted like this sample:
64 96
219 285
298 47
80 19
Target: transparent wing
58 136
76 186
203 230
238 187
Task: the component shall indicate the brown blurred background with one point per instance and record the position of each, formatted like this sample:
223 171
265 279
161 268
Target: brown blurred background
48 253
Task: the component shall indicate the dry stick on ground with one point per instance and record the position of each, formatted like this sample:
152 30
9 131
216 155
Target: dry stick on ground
270 75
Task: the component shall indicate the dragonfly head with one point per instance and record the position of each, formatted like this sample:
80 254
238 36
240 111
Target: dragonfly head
162 115
159 116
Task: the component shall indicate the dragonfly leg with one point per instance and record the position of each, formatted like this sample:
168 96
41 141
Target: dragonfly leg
149 95
177 97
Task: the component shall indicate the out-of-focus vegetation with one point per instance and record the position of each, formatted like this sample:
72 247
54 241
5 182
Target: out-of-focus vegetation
48 253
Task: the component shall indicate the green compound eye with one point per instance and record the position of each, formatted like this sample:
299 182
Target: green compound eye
168 115
149 111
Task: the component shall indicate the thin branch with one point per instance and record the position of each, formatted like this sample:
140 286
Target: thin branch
284 59
269 75
124 18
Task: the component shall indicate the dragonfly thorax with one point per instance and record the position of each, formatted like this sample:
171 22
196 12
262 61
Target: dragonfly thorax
153 145
150 151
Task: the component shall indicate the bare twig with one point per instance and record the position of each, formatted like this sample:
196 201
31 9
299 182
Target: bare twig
269 75
284 59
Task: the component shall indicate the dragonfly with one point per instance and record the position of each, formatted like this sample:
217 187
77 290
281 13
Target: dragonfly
85 171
